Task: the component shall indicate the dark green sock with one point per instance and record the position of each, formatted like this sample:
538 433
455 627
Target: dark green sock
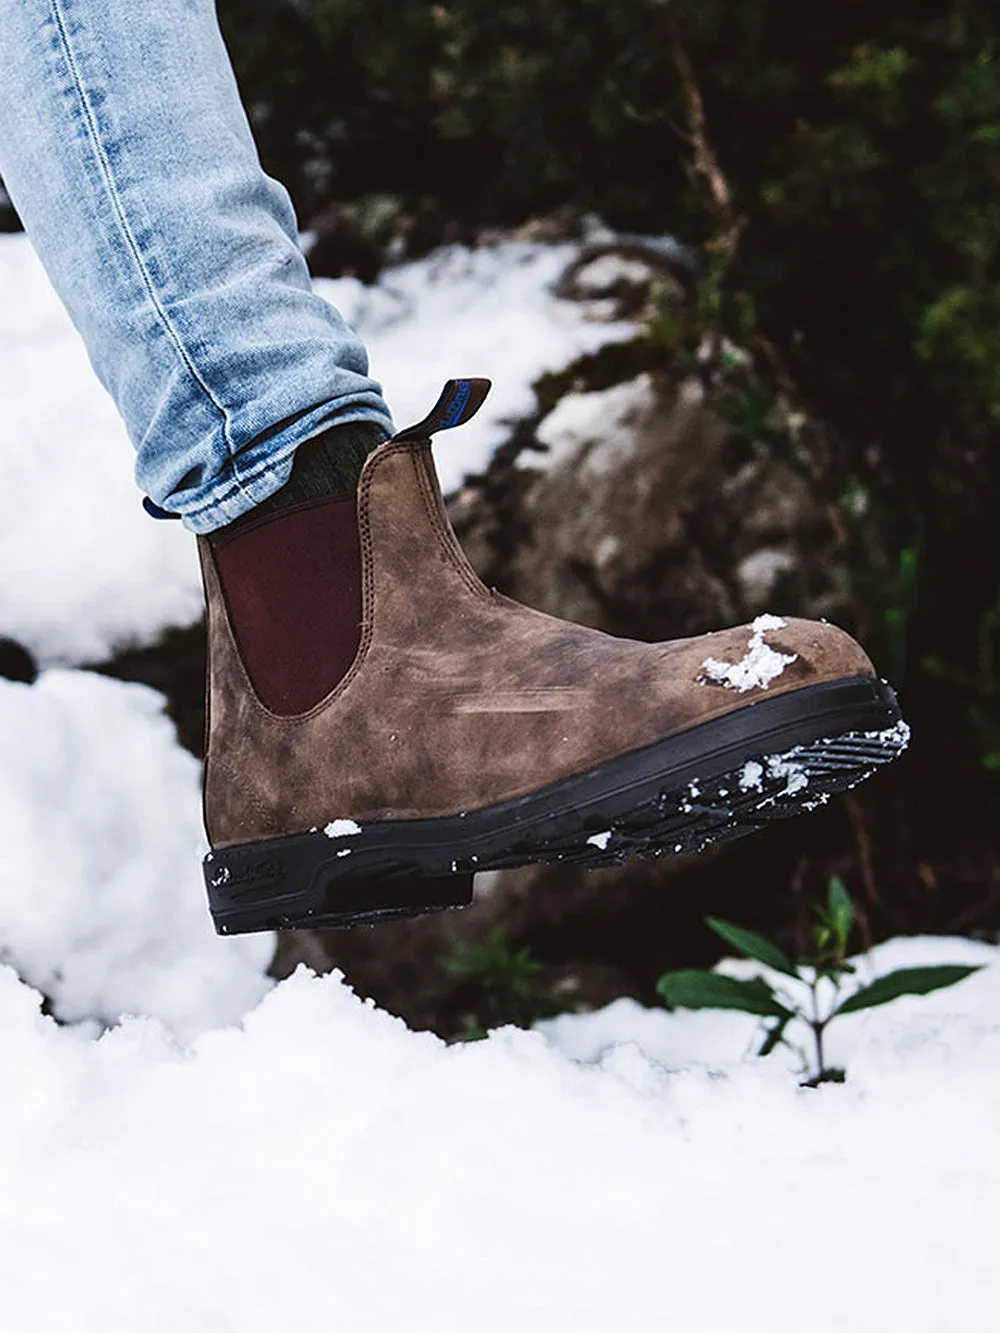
328 464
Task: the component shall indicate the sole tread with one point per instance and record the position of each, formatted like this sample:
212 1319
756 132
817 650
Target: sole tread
406 869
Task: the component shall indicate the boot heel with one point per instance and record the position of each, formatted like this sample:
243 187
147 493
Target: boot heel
267 887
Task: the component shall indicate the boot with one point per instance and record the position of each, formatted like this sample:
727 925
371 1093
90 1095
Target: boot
381 725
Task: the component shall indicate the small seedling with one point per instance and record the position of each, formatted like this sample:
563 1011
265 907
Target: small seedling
504 975
826 962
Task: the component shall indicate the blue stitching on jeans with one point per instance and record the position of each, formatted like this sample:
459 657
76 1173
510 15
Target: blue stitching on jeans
104 164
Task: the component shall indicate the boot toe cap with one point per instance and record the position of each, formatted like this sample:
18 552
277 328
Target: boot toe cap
775 654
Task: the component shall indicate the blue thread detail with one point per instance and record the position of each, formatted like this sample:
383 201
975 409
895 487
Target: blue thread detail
452 414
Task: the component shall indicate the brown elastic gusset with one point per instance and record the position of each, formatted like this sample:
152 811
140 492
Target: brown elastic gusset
292 586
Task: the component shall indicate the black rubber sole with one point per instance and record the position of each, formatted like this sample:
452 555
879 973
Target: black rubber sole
718 781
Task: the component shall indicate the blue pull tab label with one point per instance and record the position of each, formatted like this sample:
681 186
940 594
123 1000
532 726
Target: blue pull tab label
460 400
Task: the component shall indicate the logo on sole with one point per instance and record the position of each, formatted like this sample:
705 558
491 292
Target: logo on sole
254 872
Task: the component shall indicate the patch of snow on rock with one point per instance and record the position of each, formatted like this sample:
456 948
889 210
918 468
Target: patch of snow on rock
592 429
603 274
487 311
759 665
759 572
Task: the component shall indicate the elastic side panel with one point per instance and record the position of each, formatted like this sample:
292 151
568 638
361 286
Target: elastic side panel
292 586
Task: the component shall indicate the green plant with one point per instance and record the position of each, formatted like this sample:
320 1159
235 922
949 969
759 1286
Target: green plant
504 977
897 616
825 973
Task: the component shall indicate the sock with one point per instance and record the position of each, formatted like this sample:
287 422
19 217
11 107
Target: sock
328 464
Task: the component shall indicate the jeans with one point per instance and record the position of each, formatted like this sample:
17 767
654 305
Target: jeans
126 150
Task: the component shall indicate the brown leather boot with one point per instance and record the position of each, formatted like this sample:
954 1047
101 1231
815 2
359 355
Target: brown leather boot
382 725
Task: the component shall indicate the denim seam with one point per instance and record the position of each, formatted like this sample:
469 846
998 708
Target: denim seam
118 209
259 472
238 485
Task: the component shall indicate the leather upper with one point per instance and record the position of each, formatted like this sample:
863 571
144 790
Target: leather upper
457 698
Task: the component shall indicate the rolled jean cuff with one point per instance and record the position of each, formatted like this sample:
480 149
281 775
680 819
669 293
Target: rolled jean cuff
257 472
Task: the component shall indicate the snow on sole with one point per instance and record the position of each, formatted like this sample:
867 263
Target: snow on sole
720 780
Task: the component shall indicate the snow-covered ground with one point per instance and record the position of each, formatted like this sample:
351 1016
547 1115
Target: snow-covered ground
185 1146
238 1156
322 1166
101 902
85 571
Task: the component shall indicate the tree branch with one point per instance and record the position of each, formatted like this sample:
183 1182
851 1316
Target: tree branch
705 162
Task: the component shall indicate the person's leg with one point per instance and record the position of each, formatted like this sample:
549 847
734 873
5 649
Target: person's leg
127 153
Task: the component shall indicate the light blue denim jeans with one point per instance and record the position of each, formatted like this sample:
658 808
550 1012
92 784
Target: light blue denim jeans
126 150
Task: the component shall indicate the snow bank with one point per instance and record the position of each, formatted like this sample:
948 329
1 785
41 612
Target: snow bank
84 568
101 901
323 1163
86 571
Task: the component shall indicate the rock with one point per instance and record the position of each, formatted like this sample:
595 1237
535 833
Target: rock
613 510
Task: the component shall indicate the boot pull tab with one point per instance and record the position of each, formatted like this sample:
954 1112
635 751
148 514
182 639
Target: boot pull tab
460 400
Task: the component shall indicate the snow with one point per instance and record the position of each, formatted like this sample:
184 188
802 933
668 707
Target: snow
342 828
794 773
101 901
722 1042
895 737
462 312
591 430
759 665
86 571
606 272
238 1156
607 1171
192 1147
758 573
84 568
600 840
